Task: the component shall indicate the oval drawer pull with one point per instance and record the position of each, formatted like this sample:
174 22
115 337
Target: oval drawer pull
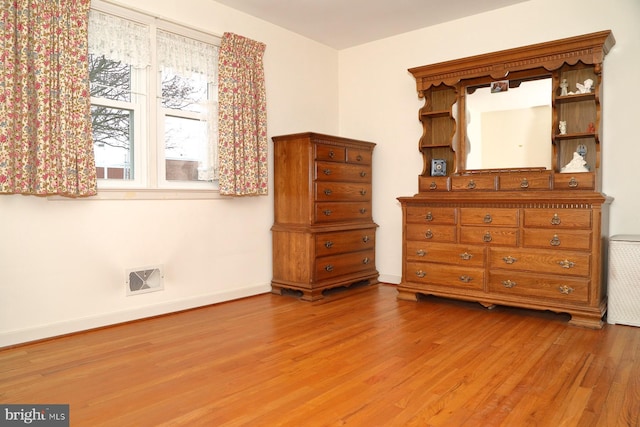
365 239
567 264
524 183
566 290
471 185
328 244
573 183
327 212
327 171
421 252
429 234
465 279
365 260
328 267
433 185
363 174
487 219
328 192
363 192
359 158
429 217
332 154
555 220
466 256
555 241
487 237
508 283
363 211
420 273
509 259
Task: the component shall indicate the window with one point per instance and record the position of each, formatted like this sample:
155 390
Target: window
153 101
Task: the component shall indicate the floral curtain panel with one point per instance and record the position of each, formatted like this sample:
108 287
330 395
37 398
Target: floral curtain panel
46 145
242 117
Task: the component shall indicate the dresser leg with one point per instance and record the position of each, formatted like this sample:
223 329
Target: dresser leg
487 305
407 296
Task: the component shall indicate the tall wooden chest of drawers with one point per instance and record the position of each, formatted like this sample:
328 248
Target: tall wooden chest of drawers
323 232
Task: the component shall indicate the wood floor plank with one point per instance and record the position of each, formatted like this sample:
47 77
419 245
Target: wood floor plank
360 357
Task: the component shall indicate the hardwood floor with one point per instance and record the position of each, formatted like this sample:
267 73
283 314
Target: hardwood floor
360 358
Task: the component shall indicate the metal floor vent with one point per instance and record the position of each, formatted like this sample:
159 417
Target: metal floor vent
145 279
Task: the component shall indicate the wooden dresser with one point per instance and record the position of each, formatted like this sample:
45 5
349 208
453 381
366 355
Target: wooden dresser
532 236
323 232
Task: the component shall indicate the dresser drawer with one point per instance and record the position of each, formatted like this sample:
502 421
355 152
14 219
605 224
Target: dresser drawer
541 261
489 216
341 211
327 171
433 183
431 233
342 191
525 181
558 218
445 275
339 265
362 157
469 256
557 239
579 181
487 235
345 241
330 152
555 287
430 215
471 183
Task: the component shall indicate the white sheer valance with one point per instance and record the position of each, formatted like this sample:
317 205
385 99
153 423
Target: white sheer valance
184 55
134 49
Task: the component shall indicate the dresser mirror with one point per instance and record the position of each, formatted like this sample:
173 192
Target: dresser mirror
508 124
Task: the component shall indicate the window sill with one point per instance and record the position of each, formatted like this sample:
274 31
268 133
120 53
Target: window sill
148 194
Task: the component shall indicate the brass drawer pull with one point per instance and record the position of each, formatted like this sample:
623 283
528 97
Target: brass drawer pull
566 290
421 252
365 260
524 183
465 279
573 183
555 241
487 237
487 219
359 158
471 185
328 192
363 174
327 212
555 220
332 154
466 256
429 217
365 239
420 273
508 284
363 192
328 267
327 171
433 185
429 234
567 264
509 259
328 244
363 211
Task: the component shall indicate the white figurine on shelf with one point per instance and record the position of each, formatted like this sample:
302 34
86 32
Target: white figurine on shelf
577 164
563 127
563 87
586 87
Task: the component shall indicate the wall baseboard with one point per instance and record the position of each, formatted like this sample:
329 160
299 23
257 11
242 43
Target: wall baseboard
66 327
389 278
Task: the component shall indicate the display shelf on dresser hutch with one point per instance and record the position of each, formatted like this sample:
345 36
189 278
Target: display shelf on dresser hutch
323 232
527 236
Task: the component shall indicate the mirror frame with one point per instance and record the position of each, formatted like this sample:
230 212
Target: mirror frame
518 64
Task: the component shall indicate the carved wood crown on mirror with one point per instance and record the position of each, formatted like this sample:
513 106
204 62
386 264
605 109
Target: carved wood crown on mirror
532 237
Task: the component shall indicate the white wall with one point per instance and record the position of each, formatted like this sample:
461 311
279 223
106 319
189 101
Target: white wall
62 263
378 99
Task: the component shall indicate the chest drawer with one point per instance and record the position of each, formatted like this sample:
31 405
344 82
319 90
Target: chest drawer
362 157
489 216
555 287
342 191
540 261
433 183
526 181
345 241
430 215
328 171
431 233
580 181
557 218
445 275
469 256
330 152
471 183
487 235
343 264
557 239
341 211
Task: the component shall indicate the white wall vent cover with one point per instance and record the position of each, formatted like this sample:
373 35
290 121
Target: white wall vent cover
145 279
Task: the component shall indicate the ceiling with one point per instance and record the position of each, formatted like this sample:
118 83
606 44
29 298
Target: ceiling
342 24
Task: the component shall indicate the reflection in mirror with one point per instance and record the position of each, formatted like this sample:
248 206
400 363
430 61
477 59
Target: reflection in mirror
509 129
